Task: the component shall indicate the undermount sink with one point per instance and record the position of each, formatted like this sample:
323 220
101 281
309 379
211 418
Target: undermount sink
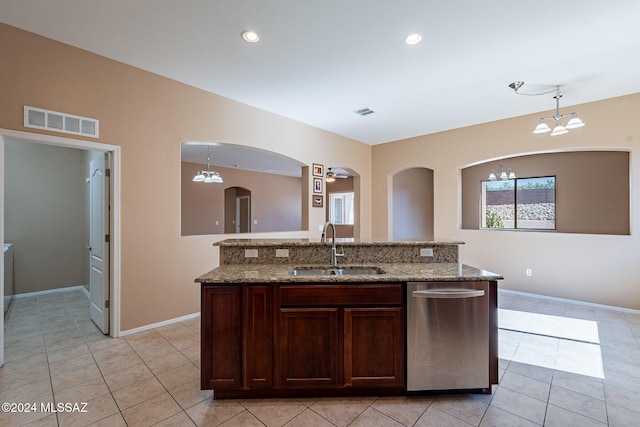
347 270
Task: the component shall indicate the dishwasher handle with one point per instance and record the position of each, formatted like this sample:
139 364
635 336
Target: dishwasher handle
449 293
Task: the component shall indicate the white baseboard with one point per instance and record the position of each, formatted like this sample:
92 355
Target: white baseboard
163 323
570 301
51 291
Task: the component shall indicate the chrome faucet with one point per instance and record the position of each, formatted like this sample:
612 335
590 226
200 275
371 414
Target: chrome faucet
334 252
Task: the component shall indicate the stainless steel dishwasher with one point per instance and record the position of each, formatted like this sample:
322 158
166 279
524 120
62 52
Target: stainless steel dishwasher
447 336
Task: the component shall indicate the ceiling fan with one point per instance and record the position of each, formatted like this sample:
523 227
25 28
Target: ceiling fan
331 175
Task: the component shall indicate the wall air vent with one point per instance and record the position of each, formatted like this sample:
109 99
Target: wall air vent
364 111
60 122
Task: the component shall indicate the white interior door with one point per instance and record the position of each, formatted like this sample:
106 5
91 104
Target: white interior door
2 266
99 242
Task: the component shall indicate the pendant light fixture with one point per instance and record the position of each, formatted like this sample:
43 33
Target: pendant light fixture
542 126
208 176
502 174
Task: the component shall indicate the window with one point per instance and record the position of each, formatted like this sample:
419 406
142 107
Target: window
523 203
341 208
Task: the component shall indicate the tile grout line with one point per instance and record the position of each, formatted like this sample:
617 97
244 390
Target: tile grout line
160 382
46 352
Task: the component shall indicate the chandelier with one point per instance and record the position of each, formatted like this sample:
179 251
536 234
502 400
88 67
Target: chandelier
207 176
542 127
502 174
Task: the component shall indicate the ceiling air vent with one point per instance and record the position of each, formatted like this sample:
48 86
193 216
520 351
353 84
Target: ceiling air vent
364 111
60 122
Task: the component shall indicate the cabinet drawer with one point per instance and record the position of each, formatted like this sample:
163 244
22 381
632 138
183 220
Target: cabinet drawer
385 295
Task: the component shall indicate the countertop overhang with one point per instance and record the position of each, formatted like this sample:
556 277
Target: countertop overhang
340 241
397 272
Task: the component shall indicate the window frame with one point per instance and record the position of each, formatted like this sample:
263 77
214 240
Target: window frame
515 227
331 206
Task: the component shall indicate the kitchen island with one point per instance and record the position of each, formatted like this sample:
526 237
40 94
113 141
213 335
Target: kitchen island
324 331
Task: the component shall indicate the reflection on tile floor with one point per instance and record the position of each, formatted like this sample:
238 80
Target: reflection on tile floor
551 341
54 354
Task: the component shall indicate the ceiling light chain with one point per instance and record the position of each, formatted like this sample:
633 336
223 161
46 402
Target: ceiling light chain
518 84
542 127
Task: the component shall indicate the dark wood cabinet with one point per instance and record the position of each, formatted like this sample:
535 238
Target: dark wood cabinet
221 338
237 337
268 340
258 337
341 336
373 347
309 345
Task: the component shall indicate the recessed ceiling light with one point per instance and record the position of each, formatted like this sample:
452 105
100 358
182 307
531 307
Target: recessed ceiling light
250 36
413 38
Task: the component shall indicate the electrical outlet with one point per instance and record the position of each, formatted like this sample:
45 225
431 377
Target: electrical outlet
426 251
528 272
251 253
282 253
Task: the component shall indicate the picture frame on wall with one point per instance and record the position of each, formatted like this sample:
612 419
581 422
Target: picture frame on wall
318 169
317 185
317 200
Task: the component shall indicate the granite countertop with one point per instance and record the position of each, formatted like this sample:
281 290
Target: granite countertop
341 242
406 272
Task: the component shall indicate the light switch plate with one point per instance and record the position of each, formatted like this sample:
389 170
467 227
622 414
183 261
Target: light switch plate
251 253
426 251
282 253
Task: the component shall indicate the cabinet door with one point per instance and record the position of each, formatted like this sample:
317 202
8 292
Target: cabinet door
221 339
258 337
373 347
309 347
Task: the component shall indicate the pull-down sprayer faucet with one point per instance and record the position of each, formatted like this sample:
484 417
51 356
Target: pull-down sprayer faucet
334 253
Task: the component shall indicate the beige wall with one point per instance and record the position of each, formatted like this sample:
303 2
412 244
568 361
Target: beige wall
46 200
276 200
149 116
594 268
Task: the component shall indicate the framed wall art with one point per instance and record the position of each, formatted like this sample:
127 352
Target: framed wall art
317 200
317 185
318 170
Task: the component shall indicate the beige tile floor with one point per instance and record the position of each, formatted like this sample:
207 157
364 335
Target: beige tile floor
55 354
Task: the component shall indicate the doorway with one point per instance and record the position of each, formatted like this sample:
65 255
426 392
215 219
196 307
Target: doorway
237 210
113 217
411 205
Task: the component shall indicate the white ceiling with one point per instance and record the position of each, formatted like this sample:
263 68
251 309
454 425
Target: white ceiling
319 60
240 157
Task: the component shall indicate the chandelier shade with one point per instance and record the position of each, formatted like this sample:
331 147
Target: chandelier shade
542 127
559 130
